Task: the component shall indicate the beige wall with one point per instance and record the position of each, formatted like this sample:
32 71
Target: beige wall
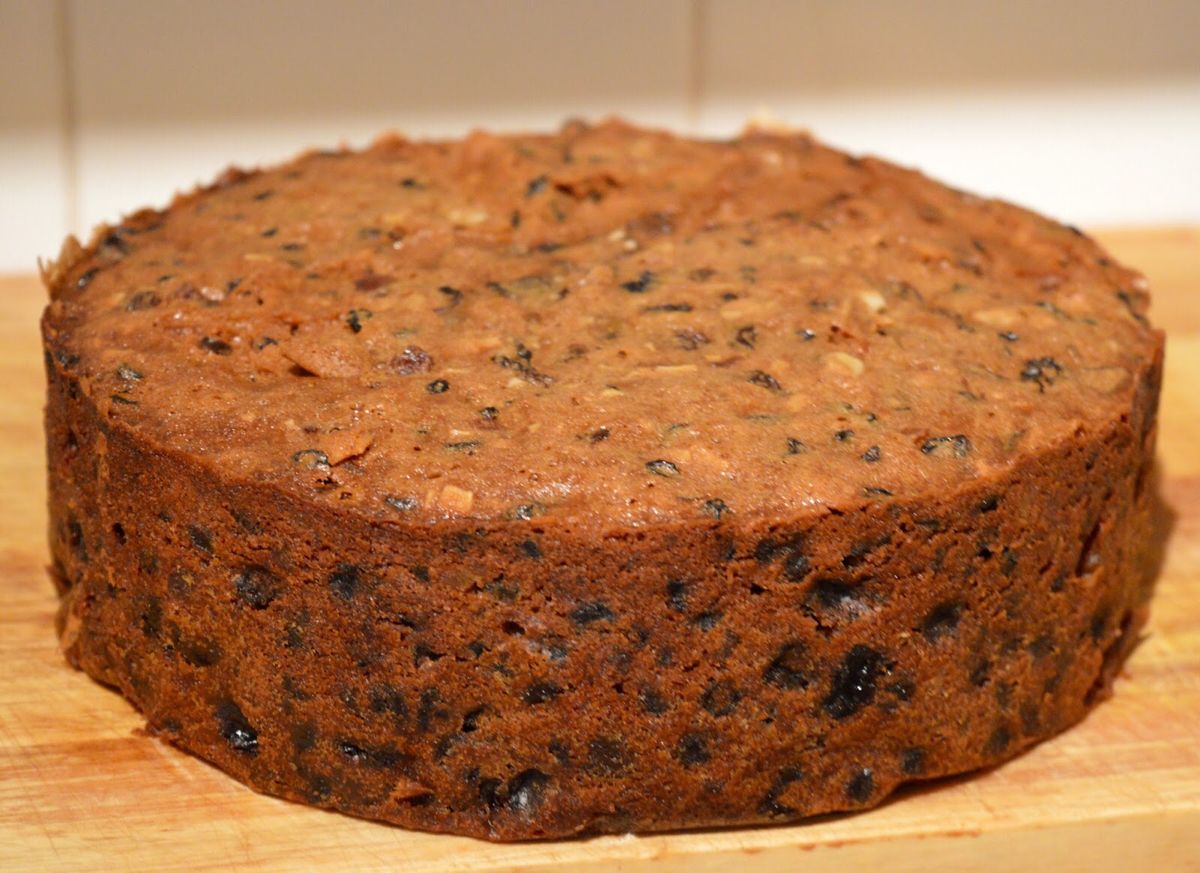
1087 109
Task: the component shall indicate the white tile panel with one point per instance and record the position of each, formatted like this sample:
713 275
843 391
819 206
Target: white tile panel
1084 155
34 197
826 47
1086 109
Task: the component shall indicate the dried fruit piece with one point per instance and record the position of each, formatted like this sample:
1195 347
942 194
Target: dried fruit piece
411 359
236 730
257 587
1043 371
942 621
640 284
312 459
853 685
216 346
721 698
861 786
526 791
345 580
692 750
540 692
590 612
958 446
790 669
764 380
660 467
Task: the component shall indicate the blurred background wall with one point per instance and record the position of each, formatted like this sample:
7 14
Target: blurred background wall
1086 109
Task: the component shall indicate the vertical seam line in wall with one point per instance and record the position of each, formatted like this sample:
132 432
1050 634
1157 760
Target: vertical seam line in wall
70 120
697 20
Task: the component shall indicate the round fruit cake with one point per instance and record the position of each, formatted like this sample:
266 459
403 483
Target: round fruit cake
607 480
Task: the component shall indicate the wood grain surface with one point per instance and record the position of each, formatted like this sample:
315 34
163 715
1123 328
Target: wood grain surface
83 788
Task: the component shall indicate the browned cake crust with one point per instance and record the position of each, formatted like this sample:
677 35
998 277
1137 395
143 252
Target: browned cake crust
528 486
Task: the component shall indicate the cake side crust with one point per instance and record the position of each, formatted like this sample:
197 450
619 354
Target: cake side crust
528 680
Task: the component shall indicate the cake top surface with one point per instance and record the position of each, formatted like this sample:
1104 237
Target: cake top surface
607 325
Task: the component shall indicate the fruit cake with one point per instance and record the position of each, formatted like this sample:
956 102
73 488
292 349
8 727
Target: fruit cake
604 480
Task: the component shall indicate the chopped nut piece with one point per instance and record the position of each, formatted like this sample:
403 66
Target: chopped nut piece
322 357
1106 380
843 362
467 217
456 499
873 300
999 317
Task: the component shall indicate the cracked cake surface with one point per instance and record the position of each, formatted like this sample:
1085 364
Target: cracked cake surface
603 480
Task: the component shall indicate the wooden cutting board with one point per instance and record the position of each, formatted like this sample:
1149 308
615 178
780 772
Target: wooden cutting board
81 787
